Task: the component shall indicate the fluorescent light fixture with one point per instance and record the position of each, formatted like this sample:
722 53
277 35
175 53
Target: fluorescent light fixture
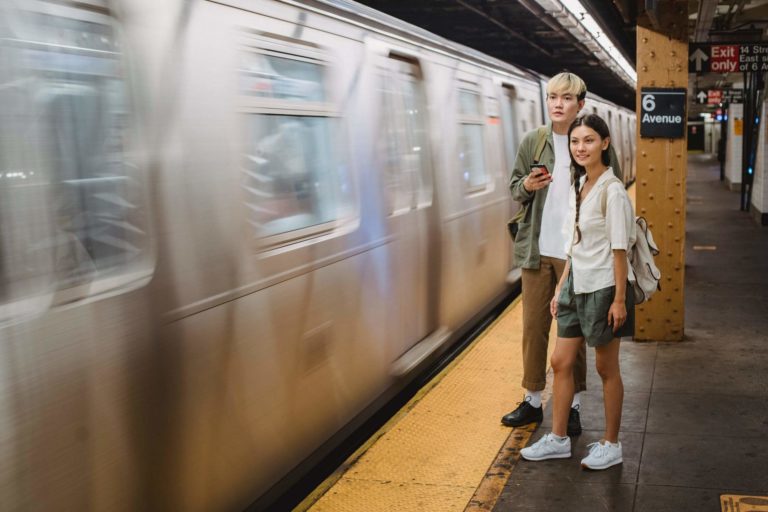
589 23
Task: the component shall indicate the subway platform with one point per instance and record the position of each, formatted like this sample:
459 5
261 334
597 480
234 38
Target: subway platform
695 416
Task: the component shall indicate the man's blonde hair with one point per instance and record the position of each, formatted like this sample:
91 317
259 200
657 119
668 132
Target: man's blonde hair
567 83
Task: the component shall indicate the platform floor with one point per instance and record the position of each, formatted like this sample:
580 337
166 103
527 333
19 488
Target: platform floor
695 417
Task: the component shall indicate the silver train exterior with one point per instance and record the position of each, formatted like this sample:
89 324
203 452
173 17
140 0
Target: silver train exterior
229 230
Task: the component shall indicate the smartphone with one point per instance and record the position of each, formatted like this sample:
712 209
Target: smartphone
539 170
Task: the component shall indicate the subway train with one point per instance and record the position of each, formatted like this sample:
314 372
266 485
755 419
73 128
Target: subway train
229 230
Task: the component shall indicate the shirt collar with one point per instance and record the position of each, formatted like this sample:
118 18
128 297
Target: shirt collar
606 175
597 186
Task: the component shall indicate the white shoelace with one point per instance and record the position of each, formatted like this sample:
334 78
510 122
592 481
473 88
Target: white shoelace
597 449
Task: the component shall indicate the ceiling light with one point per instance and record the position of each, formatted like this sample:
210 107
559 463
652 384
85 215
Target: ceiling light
599 35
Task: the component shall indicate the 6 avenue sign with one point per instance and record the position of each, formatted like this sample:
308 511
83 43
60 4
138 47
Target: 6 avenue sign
662 112
727 58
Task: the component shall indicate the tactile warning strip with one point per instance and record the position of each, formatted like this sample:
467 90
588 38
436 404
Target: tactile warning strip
738 503
435 456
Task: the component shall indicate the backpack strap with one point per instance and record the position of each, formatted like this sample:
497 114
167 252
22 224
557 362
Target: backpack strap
604 193
541 142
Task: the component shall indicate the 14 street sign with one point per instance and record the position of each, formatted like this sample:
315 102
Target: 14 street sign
727 58
717 96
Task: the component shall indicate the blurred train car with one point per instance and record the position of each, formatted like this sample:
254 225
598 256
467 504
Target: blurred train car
228 231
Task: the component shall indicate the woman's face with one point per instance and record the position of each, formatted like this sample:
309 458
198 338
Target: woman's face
587 146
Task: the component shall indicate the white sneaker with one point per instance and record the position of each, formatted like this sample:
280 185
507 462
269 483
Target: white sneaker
548 447
602 456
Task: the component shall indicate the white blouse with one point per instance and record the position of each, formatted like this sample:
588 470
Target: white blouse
592 257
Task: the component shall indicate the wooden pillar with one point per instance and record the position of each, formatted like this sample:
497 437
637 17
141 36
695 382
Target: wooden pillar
662 61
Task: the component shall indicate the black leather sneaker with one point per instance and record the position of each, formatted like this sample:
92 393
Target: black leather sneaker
574 422
523 415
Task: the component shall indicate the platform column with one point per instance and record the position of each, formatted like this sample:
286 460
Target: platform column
734 147
662 53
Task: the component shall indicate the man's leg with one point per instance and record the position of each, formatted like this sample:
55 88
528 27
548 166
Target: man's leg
538 288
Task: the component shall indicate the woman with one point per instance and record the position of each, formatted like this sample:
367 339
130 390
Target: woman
593 301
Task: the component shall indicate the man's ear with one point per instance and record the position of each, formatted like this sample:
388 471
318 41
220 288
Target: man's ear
581 104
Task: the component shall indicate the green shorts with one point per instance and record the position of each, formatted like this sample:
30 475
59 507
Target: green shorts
586 314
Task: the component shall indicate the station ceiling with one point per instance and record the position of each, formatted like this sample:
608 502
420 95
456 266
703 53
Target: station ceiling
523 32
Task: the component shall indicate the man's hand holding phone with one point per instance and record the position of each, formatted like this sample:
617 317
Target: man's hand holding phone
538 178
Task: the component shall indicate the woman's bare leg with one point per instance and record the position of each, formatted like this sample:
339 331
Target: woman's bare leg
607 363
562 361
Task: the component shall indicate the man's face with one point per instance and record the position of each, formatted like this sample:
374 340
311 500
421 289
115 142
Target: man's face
563 107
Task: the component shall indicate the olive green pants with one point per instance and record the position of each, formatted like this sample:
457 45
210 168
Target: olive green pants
538 290
585 315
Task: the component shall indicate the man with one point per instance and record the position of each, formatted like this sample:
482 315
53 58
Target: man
540 241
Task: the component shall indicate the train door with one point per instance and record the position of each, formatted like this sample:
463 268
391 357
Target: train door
612 128
409 185
75 258
631 138
511 142
621 142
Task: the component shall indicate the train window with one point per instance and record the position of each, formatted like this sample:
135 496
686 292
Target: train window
471 145
469 103
294 182
508 124
535 115
68 144
273 76
407 152
289 171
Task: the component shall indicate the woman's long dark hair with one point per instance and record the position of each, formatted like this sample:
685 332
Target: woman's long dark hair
596 123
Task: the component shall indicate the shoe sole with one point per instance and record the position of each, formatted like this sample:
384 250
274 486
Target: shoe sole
553 456
521 424
599 468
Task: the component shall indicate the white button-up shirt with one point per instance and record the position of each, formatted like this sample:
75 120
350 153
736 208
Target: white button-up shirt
592 257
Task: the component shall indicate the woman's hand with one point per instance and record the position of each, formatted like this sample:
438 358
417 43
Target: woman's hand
553 304
617 315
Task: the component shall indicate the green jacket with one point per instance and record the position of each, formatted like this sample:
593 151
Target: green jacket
527 239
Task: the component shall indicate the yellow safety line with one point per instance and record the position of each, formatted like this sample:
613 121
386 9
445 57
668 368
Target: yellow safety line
435 453
496 478
492 485
334 477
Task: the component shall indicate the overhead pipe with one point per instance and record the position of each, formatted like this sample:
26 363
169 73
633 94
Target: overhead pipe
544 16
704 18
